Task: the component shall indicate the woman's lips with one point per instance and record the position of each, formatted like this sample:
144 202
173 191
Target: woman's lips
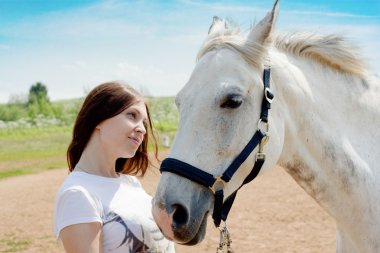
135 140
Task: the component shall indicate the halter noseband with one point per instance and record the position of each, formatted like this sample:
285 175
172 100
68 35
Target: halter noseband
216 184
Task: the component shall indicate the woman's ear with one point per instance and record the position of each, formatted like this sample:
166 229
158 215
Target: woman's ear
99 126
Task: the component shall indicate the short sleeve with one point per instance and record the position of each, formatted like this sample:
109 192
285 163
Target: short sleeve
75 206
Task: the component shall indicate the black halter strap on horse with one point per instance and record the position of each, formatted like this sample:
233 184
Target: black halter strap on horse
216 184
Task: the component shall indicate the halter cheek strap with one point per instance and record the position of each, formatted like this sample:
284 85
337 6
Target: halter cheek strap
216 184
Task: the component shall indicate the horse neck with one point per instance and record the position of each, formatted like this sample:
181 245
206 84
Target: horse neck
330 137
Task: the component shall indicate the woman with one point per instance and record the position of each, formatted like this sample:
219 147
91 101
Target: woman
101 206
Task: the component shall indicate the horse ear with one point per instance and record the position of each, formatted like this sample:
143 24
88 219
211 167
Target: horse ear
217 26
262 31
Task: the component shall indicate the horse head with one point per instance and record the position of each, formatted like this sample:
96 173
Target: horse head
219 110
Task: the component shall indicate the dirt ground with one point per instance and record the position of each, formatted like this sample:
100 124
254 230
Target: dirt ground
271 214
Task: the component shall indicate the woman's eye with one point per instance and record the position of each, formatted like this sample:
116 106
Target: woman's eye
131 115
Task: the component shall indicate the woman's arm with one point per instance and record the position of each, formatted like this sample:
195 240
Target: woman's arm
83 237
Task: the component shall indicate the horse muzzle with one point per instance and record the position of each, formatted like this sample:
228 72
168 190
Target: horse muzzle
183 220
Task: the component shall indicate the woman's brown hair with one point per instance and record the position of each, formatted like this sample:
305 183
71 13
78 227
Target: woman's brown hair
103 102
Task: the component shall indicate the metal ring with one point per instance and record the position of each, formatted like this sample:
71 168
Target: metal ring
268 91
265 132
218 185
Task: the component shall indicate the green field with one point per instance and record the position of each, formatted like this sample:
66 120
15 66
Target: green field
35 144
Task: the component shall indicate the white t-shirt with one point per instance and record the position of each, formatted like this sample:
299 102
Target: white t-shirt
120 204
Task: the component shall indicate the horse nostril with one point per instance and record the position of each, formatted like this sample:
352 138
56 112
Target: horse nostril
180 216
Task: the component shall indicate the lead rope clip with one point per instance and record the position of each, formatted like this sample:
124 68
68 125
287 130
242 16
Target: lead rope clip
225 240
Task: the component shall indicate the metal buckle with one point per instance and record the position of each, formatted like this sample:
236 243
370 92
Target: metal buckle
218 185
268 95
260 155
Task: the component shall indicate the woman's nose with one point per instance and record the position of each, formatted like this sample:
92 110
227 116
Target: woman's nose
140 128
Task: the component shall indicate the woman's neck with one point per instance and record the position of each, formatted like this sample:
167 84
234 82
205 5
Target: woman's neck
95 160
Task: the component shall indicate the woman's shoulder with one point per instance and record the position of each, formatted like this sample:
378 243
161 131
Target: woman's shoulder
78 189
74 178
72 182
78 181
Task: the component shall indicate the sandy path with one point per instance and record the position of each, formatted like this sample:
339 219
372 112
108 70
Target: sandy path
272 214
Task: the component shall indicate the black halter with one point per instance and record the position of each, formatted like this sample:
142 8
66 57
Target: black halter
216 184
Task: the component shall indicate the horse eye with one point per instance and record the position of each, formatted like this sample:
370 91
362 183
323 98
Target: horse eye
232 102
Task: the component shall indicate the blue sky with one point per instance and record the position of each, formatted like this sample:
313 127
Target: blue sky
73 45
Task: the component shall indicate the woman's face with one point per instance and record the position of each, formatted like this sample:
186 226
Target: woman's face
122 134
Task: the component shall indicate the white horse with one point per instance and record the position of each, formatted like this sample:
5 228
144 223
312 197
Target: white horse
324 128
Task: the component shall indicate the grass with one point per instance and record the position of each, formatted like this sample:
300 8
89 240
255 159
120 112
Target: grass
10 243
24 151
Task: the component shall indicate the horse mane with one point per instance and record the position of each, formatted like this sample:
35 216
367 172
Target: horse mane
329 50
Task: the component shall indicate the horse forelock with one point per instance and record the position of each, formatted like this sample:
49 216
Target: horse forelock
330 50
253 53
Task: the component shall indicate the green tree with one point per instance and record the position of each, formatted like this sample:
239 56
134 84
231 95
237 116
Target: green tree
38 92
38 101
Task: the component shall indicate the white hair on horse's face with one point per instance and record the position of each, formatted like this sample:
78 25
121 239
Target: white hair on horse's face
221 76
